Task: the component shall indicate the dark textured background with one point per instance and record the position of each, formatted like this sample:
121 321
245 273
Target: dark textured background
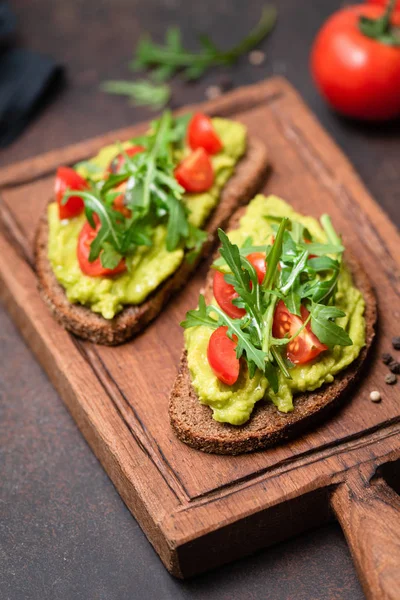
64 531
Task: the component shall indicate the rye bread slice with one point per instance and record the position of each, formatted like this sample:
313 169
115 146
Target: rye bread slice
247 179
193 422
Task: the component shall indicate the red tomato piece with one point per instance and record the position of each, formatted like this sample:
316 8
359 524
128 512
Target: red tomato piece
306 346
257 259
201 134
117 162
221 355
95 268
224 292
195 173
68 179
357 75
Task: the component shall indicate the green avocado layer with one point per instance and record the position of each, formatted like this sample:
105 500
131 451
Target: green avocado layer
149 266
234 404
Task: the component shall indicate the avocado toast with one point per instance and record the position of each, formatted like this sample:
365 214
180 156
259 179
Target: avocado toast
224 404
110 294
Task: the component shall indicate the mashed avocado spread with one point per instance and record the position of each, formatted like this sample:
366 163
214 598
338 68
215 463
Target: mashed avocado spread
150 266
234 404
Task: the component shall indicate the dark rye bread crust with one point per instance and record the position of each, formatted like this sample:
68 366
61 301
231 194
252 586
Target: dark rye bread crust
249 176
193 422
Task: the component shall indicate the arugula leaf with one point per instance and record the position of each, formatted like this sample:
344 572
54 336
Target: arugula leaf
110 229
199 316
295 272
271 373
195 241
330 231
322 249
171 57
325 329
178 226
141 92
280 362
109 257
293 300
323 263
243 278
274 256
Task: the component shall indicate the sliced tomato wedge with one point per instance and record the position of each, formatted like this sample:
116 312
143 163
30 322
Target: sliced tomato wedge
201 134
95 268
224 292
306 346
195 173
117 162
221 355
68 179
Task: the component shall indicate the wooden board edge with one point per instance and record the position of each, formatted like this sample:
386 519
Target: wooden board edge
119 459
321 143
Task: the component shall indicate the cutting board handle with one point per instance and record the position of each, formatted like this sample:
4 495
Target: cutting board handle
368 511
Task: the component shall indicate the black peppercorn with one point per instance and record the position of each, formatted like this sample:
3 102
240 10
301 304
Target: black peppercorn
390 379
395 367
396 342
387 358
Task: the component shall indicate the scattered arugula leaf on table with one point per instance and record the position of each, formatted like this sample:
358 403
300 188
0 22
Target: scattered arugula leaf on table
168 59
141 92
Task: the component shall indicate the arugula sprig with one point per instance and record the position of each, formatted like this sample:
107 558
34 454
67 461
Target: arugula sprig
140 93
152 194
291 276
172 57
167 59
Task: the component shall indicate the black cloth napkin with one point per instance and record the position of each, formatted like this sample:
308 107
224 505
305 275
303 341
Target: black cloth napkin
27 81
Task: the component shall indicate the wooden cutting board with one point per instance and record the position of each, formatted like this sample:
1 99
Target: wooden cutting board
202 510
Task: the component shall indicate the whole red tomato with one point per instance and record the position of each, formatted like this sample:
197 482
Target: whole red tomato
358 75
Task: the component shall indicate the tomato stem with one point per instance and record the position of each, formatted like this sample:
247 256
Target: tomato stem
381 29
387 15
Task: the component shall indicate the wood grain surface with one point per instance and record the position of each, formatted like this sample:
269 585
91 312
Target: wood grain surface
190 504
369 512
64 531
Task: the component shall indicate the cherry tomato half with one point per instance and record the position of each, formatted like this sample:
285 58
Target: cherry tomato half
117 162
95 268
224 292
68 179
357 75
201 134
306 346
221 355
195 173
257 259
